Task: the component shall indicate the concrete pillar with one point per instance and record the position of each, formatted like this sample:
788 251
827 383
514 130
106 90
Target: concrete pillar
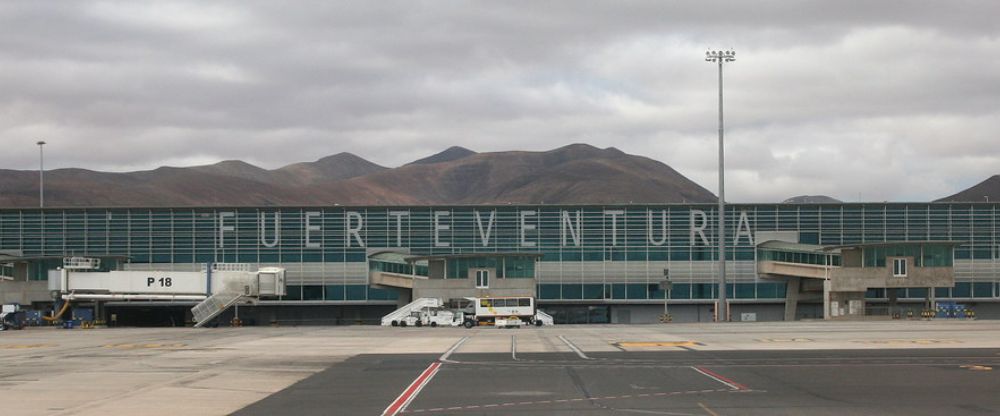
931 298
826 299
893 296
792 297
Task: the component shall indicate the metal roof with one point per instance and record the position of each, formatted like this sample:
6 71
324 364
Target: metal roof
797 247
897 243
472 255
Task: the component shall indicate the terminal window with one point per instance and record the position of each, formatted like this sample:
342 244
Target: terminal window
899 267
482 279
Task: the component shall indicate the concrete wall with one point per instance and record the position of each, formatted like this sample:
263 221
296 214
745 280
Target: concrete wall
650 314
436 269
847 305
857 279
850 257
765 312
466 288
24 292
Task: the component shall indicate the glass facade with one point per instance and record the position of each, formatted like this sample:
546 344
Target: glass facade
924 255
588 253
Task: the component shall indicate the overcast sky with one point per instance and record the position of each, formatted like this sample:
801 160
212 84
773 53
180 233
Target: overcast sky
895 101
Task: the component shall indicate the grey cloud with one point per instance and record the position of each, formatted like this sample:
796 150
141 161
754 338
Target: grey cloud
895 98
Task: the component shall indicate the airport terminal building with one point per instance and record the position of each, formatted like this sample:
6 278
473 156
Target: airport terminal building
589 263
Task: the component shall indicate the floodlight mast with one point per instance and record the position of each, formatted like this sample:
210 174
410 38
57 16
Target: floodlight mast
722 311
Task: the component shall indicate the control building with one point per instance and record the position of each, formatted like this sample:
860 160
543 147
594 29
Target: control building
584 263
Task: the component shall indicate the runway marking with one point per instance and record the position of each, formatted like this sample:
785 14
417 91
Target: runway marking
908 341
573 400
143 346
513 347
412 390
707 410
444 357
977 367
574 348
720 378
24 346
680 344
783 340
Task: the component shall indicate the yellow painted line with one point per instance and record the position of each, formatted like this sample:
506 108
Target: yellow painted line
707 410
910 341
784 340
978 367
24 346
657 344
143 346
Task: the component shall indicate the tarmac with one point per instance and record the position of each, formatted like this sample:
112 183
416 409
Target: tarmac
890 367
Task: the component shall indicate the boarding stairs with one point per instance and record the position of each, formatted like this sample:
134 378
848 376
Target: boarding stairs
409 308
214 305
544 318
236 288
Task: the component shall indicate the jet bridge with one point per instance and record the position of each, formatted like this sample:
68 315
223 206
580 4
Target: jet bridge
217 287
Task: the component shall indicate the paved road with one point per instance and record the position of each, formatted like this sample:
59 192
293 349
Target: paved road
681 382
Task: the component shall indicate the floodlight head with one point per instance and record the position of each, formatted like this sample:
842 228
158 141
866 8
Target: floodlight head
40 142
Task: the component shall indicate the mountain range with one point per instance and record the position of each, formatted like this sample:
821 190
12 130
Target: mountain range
573 174
982 192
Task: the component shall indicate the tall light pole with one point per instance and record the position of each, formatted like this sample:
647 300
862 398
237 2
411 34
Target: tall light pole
723 309
41 174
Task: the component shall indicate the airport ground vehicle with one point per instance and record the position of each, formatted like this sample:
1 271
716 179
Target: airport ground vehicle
503 311
11 317
430 316
509 311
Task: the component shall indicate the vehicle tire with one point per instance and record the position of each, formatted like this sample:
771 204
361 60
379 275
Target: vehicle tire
434 324
402 324
469 324
538 322
418 324
394 323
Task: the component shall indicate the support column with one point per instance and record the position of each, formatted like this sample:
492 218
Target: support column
792 297
826 299
893 296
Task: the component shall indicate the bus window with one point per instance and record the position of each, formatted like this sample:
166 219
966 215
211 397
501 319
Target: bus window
484 303
500 303
523 302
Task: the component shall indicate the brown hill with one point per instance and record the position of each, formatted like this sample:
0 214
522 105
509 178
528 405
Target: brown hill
449 154
571 174
339 166
985 191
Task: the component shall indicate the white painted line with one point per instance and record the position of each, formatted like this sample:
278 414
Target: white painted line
714 376
444 357
574 348
513 347
411 391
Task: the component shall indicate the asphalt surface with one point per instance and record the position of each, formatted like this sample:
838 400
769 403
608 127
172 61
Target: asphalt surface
935 382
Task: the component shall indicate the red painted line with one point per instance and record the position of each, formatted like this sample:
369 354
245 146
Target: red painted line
720 378
410 392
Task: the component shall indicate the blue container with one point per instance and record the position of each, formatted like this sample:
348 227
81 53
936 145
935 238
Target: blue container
68 324
83 314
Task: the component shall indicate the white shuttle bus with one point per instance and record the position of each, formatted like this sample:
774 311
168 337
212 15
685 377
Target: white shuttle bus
503 311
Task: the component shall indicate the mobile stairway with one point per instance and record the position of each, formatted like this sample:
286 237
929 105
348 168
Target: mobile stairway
416 306
214 305
544 318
